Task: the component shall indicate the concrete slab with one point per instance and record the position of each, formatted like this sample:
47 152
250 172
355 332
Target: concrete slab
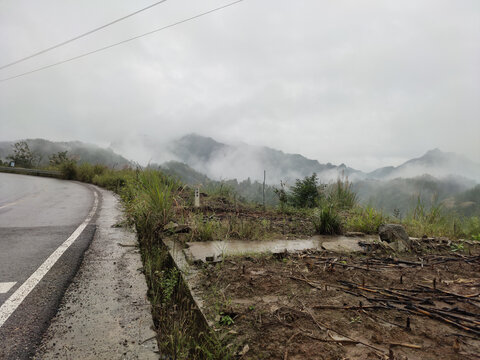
216 250
344 245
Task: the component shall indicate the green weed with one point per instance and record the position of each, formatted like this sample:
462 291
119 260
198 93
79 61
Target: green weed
225 319
204 230
327 221
366 220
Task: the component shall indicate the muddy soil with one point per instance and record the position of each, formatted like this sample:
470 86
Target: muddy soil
324 305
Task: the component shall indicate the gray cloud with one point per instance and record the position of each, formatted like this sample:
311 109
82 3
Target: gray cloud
365 83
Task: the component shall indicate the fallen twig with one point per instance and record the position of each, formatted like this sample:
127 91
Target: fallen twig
334 307
411 346
285 356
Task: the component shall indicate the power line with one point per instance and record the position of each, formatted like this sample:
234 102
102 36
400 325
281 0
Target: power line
121 42
79 36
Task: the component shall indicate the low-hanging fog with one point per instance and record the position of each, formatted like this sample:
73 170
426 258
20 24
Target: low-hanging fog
367 84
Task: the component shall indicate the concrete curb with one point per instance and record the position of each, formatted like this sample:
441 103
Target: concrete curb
105 313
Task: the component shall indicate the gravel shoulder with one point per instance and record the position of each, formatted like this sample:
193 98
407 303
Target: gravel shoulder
105 313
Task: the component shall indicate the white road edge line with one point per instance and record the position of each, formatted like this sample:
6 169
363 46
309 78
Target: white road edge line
6 286
12 303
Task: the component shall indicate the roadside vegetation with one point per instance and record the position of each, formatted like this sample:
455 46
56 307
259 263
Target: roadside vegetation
157 205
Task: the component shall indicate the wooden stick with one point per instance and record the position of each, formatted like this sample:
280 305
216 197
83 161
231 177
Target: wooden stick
333 307
411 346
285 356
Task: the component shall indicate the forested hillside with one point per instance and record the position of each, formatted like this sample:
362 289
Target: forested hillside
81 152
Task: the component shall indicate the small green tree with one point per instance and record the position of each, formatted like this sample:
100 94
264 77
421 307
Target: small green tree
282 195
305 193
59 158
22 155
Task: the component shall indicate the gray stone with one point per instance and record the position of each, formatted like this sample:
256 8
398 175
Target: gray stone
392 232
396 236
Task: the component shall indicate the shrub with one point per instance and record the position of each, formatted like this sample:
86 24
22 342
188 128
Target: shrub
327 221
99 169
69 170
85 173
305 193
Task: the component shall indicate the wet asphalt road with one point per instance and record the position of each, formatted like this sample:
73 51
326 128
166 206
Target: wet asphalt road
36 216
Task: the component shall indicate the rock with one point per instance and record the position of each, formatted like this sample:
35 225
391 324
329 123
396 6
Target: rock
392 232
395 236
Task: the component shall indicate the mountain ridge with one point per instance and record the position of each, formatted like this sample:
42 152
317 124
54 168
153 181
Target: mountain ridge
219 160
82 152
434 162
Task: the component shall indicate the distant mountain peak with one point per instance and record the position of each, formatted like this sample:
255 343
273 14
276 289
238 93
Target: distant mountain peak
434 162
435 151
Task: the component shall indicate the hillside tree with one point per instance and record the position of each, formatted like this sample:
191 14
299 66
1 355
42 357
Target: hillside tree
22 155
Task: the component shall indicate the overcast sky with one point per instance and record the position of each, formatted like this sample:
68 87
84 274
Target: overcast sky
366 83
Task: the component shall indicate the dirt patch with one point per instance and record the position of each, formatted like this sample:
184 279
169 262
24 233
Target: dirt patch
325 305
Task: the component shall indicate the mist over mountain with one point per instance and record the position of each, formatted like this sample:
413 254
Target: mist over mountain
403 194
435 163
242 161
78 150
435 178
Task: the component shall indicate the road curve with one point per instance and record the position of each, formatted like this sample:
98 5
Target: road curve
44 231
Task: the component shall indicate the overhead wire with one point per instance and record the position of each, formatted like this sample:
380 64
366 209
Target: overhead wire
121 42
80 36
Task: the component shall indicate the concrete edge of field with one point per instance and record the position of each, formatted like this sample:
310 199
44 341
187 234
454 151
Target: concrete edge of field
105 313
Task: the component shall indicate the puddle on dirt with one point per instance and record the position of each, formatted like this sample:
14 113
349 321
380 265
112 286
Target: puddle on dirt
215 250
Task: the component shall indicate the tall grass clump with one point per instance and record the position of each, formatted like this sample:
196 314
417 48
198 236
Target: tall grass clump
114 180
471 228
151 206
431 220
327 221
365 219
341 195
204 229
